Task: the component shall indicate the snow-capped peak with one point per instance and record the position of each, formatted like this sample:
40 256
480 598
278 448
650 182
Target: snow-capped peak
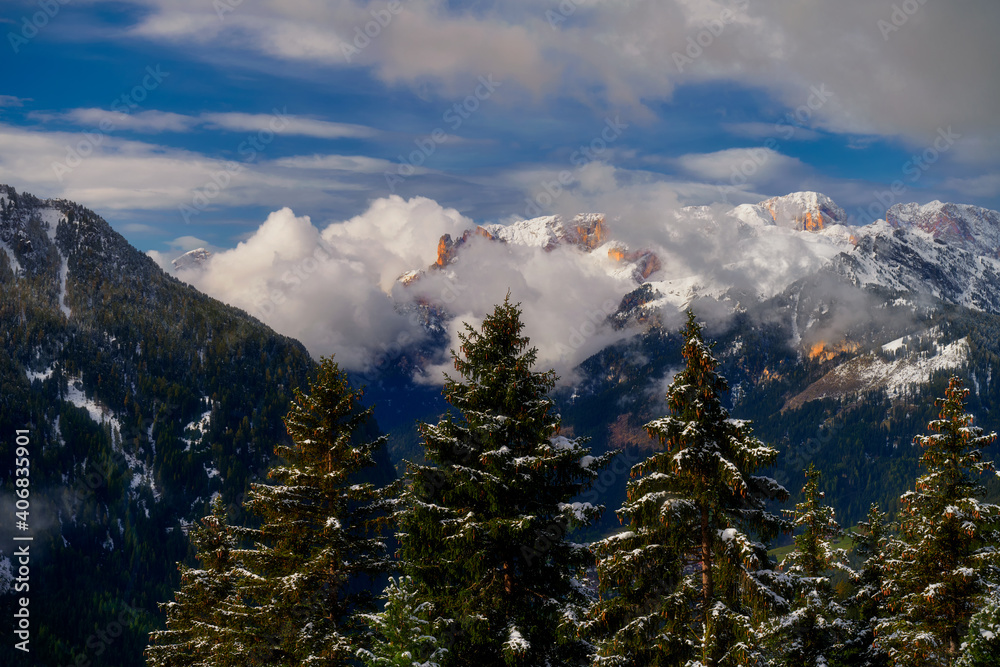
191 259
808 211
969 227
586 230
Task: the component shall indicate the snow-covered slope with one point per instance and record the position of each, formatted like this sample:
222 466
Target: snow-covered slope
969 227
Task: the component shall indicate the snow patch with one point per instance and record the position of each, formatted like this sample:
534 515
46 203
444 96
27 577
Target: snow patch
14 264
39 375
893 345
63 274
51 217
194 431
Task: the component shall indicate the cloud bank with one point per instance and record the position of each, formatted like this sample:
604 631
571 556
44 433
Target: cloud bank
337 291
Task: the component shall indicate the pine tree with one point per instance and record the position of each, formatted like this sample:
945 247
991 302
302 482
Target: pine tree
690 581
814 632
405 631
484 532
317 551
198 624
868 604
945 564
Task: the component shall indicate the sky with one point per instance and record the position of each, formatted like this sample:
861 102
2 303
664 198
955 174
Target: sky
261 128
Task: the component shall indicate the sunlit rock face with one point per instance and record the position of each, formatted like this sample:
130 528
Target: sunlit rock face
968 227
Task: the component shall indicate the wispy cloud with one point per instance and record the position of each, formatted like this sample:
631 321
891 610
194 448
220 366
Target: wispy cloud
298 125
354 163
12 101
143 122
153 121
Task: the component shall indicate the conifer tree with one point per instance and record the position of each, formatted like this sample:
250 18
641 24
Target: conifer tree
690 581
814 632
405 631
868 604
945 564
199 625
317 550
484 529
981 645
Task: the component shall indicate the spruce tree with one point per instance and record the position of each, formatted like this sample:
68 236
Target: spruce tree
199 623
317 550
868 604
405 631
814 631
690 581
945 564
485 524
981 645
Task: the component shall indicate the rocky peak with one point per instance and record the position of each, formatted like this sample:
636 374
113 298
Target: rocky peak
586 231
448 249
803 211
968 227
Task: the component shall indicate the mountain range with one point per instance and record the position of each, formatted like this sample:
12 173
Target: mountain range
146 398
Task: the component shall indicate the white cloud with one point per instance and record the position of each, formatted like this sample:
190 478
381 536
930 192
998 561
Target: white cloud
105 172
565 295
337 290
153 121
12 101
143 121
297 125
354 163
138 228
985 185
302 287
901 80
754 164
329 289
396 235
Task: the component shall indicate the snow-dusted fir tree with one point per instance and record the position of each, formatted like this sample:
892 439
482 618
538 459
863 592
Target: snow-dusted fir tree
868 603
981 644
689 583
317 549
405 631
484 529
203 617
944 568
813 633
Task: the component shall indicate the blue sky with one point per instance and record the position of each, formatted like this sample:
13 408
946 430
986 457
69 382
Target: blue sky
187 122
